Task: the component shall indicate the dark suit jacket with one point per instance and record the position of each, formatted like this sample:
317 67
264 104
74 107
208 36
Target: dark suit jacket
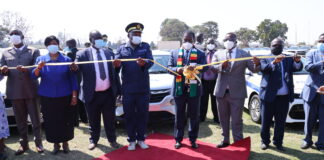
88 83
172 64
271 77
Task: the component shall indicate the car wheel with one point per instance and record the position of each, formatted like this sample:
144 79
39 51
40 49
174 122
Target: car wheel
254 108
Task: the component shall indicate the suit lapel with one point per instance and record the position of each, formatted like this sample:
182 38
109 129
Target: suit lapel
90 58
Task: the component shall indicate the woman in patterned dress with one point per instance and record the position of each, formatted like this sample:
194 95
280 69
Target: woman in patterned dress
4 129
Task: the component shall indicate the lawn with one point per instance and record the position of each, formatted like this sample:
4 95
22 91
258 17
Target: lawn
209 132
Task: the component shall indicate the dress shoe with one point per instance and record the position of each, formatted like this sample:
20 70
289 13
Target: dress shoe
66 148
178 145
305 145
40 149
143 145
264 146
92 146
56 148
131 146
280 147
194 145
321 150
21 150
114 145
223 145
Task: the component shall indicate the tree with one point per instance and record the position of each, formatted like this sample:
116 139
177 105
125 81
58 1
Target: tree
209 29
13 20
268 30
172 29
246 35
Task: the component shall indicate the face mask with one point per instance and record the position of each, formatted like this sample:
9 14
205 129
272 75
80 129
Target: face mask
15 39
229 45
187 45
210 47
53 49
136 40
99 43
276 50
320 47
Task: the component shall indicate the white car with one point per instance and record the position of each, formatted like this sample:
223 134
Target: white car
162 103
252 102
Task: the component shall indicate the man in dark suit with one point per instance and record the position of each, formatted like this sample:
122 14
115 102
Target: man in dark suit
99 88
22 89
314 102
186 95
277 90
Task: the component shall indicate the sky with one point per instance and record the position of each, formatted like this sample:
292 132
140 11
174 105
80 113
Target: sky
305 18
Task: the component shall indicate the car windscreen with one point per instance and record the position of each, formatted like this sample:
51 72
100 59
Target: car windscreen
162 59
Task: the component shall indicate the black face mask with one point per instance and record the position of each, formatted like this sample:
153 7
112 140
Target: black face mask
276 50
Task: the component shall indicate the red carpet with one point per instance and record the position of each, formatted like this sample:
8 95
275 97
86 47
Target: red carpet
162 147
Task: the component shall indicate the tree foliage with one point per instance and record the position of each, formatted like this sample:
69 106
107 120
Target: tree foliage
268 30
172 29
246 35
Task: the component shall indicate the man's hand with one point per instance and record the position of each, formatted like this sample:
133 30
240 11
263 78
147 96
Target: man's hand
74 101
74 67
140 62
4 70
116 63
225 64
180 70
21 68
297 58
278 59
191 68
256 60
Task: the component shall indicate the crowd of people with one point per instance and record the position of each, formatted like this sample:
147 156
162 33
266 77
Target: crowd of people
90 90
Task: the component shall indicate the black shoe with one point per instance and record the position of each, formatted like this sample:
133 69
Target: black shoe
305 145
321 150
222 145
216 121
56 149
177 145
114 144
194 145
264 146
280 147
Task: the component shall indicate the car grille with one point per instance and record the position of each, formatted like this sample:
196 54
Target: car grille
297 112
158 95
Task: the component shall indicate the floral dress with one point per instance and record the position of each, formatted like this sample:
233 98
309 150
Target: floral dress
4 129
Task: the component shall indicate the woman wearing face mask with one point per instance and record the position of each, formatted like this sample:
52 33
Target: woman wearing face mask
58 92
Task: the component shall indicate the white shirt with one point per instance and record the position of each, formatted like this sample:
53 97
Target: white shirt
21 48
101 85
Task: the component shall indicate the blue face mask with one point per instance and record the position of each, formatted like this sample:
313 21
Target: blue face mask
320 47
99 43
53 49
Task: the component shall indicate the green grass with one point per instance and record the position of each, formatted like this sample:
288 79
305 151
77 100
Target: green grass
209 132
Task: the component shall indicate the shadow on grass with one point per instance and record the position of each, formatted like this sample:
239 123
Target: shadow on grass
265 156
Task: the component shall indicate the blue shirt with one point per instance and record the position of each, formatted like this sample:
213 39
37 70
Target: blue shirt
135 79
56 81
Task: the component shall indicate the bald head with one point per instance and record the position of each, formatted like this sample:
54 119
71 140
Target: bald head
200 37
94 35
277 41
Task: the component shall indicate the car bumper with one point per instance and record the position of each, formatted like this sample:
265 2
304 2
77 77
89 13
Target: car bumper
296 112
167 104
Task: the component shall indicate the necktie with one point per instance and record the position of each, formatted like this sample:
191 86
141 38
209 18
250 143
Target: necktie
229 56
279 71
101 66
187 57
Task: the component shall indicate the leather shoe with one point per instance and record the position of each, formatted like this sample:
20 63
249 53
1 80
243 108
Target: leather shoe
194 145
21 150
66 148
305 145
40 149
264 146
280 148
222 145
114 145
56 148
177 145
92 146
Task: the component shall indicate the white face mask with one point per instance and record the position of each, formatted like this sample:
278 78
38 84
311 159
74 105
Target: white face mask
229 44
136 40
15 39
210 47
187 45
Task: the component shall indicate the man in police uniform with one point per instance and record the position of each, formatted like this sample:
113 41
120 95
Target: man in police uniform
136 84
187 96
